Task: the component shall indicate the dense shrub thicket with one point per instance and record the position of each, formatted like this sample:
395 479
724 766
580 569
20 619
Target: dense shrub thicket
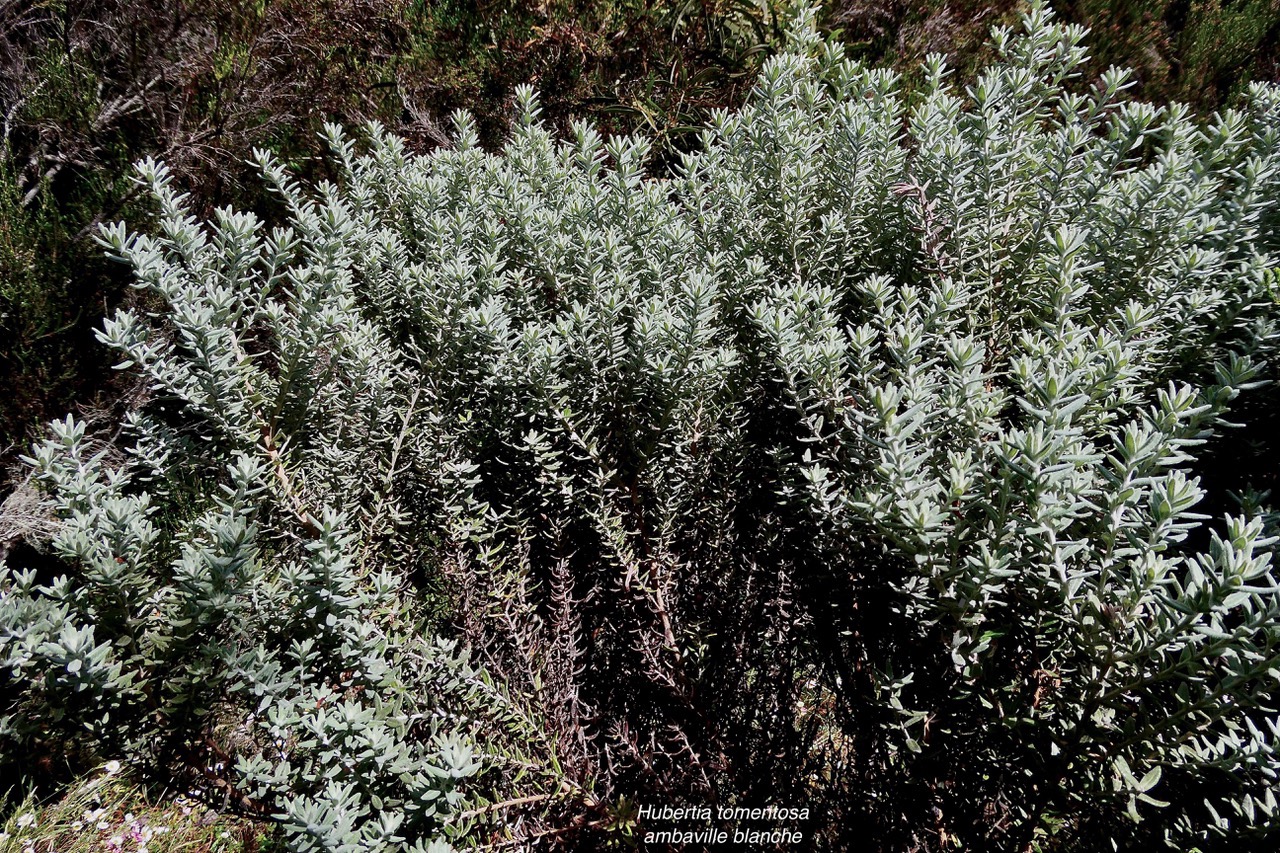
87 87
853 466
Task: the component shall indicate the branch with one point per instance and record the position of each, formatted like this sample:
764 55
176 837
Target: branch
282 477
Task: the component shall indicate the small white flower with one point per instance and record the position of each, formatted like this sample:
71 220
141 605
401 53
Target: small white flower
28 819
103 826
112 767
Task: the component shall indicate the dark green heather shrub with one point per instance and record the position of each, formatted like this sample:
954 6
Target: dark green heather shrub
853 466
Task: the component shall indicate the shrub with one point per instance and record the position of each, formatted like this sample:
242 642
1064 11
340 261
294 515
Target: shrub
853 466
50 288
87 87
1203 52
168 631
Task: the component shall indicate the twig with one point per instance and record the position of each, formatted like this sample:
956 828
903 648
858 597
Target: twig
508 804
282 477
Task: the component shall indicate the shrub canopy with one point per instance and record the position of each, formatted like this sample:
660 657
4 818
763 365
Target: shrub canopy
853 466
